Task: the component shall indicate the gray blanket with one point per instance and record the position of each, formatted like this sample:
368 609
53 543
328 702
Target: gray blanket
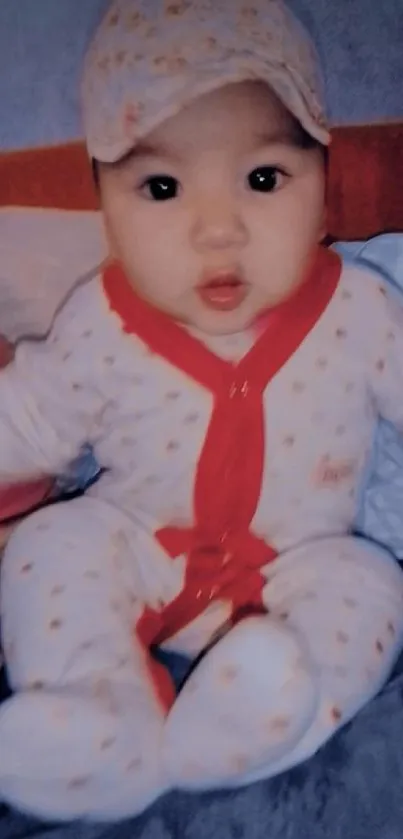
352 789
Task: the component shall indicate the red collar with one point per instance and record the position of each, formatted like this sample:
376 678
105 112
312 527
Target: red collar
224 556
288 325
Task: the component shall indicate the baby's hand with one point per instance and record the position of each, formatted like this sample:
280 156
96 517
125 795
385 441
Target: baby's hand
6 351
5 533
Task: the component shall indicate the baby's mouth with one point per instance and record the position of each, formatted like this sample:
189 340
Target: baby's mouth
223 292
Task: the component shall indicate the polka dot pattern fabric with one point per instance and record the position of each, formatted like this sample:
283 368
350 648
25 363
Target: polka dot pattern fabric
94 729
381 501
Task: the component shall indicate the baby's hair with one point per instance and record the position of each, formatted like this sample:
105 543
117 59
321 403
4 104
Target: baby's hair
301 137
95 172
304 140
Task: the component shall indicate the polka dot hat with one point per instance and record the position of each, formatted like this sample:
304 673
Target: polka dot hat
150 58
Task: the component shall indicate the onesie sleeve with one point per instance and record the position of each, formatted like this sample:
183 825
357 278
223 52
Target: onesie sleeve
385 334
50 401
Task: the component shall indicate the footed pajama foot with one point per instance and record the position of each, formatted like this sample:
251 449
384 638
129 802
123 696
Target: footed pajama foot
249 701
70 755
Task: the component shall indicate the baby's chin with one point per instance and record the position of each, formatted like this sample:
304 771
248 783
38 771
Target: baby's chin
203 319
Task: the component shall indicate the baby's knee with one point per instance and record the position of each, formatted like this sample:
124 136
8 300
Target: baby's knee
266 656
44 538
270 642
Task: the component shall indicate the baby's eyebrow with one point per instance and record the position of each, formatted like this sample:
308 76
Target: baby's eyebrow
145 149
279 137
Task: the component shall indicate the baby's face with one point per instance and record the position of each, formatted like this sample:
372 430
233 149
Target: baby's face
214 217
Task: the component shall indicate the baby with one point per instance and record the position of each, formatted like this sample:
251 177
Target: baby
229 373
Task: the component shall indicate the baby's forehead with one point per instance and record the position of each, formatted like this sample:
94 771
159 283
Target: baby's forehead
235 120
247 107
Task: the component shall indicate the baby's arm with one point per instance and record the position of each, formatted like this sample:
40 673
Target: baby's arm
17 500
386 377
49 402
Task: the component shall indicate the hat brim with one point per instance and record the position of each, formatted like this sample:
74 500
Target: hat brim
278 78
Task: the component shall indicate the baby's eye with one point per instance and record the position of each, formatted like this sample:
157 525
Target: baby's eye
161 188
266 179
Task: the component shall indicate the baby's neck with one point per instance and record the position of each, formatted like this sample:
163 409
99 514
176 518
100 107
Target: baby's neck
230 347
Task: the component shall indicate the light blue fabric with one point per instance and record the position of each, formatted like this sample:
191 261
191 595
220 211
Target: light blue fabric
380 516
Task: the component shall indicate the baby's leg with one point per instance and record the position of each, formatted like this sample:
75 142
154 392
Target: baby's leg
81 736
349 608
276 688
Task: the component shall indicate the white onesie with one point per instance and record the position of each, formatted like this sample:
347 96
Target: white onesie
222 522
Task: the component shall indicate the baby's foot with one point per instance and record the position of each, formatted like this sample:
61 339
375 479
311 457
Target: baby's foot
67 755
247 703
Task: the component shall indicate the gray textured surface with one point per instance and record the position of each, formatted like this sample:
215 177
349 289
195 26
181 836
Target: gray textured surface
42 42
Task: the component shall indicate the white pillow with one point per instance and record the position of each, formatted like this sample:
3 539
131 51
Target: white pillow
43 254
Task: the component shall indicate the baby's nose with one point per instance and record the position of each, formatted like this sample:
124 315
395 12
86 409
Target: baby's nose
218 225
